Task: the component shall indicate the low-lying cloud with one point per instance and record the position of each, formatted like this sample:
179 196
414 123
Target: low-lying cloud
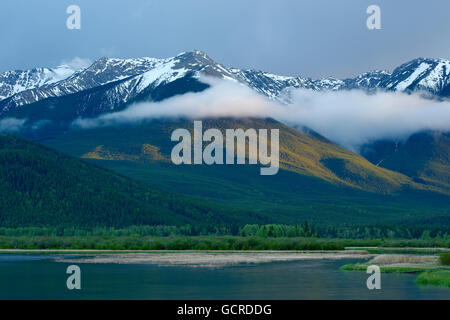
11 125
222 99
349 118
352 118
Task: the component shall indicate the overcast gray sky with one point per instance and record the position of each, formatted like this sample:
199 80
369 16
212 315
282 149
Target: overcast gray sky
313 38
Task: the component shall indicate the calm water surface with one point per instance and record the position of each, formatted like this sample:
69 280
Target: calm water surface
38 277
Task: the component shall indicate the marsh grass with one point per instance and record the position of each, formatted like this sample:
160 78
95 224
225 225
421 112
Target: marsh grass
434 278
433 269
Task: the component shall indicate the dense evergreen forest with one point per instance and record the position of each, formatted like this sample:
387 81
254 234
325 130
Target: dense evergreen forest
40 187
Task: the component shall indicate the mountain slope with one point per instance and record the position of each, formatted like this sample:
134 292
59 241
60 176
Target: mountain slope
41 187
304 188
425 156
301 152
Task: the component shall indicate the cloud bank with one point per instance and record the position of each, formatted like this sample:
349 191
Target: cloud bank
8 125
349 118
222 99
352 118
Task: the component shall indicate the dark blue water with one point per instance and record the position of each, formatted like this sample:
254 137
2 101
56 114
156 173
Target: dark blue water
39 277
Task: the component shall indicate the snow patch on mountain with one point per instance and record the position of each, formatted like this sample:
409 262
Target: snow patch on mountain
163 71
419 71
437 78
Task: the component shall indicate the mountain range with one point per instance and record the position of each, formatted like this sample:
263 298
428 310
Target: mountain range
388 180
124 80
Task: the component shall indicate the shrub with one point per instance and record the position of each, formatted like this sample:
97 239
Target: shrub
444 258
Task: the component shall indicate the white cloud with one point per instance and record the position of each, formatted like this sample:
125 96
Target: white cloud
352 118
223 99
349 118
77 63
11 124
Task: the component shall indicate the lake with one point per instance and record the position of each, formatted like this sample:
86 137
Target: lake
31 276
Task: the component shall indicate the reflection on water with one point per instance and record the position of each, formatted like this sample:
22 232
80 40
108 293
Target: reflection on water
38 277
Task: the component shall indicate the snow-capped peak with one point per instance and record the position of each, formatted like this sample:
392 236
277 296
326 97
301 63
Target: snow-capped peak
12 82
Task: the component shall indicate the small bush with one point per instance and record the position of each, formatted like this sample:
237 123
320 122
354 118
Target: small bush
444 258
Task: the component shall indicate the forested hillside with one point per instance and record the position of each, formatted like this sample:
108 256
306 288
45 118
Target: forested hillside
42 187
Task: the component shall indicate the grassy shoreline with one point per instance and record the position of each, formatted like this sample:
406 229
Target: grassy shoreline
433 270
